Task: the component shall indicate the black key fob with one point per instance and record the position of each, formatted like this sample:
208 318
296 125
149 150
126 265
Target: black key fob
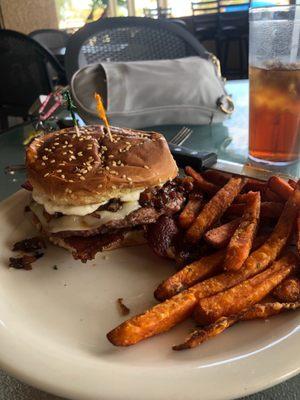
196 159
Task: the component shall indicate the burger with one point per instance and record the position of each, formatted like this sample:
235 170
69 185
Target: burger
92 192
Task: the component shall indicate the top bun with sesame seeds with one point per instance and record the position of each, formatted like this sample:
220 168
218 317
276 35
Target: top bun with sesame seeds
72 168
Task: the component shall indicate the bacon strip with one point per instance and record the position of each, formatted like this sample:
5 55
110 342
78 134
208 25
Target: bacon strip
85 248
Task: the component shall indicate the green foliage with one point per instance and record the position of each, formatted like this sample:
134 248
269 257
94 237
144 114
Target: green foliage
65 6
62 6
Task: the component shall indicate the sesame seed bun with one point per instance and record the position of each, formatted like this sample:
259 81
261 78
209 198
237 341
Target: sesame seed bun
88 168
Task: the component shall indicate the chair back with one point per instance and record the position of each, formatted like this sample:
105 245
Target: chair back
24 70
205 7
52 39
233 15
158 12
129 39
227 6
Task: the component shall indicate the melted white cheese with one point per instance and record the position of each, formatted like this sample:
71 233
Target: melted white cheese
52 207
75 222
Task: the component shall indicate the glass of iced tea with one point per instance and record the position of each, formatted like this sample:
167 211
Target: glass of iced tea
274 73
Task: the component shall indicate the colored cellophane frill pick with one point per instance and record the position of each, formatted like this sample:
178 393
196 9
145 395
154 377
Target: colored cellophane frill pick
102 114
71 107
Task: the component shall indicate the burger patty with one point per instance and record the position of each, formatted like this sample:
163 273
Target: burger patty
142 216
154 202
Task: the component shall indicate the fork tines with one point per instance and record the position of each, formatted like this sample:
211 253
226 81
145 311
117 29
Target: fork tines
181 136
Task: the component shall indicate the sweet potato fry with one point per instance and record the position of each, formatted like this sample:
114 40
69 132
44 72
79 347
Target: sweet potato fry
292 183
158 319
189 275
221 178
200 182
195 272
266 196
190 211
220 237
280 186
269 195
269 251
216 177
164 316
242 198
257 311
288 290
271 210
260 258
298 233
214 209
199 336
267 210
259 241
241 242
246 294
266 310
254 185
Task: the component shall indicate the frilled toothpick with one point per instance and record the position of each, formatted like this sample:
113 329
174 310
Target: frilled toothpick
102 114
71 107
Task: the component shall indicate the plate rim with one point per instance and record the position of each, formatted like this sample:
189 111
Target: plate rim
15 362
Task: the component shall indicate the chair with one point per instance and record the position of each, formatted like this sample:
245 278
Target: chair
158 12
129 39
233 28
54 40
205 7
205 21
24 71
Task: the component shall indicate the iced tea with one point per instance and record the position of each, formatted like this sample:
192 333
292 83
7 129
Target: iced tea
275 112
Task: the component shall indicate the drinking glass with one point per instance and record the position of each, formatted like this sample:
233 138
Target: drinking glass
274 73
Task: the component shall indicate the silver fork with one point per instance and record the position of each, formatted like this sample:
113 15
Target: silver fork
181 136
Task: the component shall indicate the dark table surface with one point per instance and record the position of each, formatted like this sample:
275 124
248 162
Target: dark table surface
229 140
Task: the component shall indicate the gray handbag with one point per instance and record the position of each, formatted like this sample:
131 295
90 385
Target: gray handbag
139 94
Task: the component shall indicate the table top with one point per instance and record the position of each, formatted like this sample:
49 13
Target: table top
229 140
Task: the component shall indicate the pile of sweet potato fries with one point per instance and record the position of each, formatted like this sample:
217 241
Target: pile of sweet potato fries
252 232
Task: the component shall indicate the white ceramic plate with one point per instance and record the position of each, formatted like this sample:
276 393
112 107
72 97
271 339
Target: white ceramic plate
53 325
